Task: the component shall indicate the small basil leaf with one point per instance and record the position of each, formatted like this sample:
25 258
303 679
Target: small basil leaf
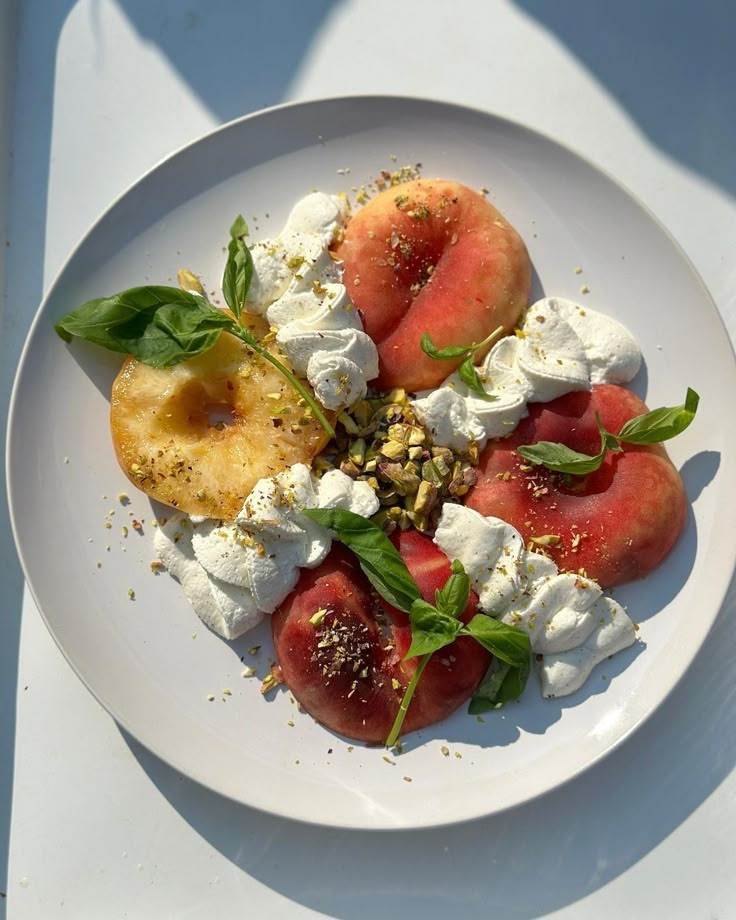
239 228
468 373
502 684
431 629
608 441
379 559
238 272
505 642
559 458
562 459
442 354
160 326
487 691
453 597
661 424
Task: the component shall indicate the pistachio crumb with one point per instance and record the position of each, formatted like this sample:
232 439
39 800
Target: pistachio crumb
318 616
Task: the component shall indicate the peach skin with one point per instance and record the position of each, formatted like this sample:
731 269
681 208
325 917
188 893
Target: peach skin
432 256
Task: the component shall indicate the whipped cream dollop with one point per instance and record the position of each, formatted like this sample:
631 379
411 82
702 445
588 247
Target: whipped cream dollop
233 574
296 284
560 347
572 625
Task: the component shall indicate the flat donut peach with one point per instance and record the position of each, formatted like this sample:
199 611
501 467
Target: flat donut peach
432 256
170 439
347 670
617 523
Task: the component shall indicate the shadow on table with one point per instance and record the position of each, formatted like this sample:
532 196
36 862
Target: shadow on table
585 834
21 287
237 58
669 65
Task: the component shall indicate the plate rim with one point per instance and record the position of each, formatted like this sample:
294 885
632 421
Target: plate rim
204 138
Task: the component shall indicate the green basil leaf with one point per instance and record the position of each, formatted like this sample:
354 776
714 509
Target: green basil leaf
562 459
505 642
239 228
559 458
443 354
379 559
238 268
453 597
661 424
468 373
502 684
160 326
487 692
431 629
452 352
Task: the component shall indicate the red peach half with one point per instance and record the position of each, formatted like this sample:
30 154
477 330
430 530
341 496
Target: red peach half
341 648
432 256
618 523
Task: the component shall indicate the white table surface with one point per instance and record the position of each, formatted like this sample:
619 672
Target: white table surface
97 827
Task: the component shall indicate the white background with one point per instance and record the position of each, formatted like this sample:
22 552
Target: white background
96 92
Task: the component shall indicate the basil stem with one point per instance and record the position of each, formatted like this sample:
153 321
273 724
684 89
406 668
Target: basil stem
249 340
393 735
452 352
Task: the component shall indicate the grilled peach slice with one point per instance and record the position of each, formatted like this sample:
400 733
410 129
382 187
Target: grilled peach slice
199 435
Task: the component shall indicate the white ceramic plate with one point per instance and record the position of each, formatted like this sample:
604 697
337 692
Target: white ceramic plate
153 665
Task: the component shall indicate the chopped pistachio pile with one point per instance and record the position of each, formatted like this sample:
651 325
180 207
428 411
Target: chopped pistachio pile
380 441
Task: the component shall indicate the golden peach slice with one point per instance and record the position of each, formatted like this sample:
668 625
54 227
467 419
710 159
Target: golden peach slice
199 435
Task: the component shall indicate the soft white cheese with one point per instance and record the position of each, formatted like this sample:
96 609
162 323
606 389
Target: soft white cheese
300 248
228 609
296 284
234 573
562 347
565 672
571 625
